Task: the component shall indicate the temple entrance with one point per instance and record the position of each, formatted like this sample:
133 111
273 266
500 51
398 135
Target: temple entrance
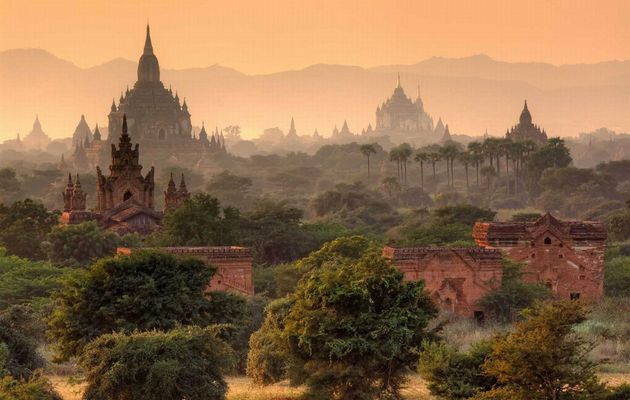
127 195
162 134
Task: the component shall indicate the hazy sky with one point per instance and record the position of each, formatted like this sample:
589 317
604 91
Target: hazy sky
267 36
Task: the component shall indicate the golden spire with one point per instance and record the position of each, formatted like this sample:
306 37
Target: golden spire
398 82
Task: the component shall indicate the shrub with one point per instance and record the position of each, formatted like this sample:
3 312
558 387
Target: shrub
185 363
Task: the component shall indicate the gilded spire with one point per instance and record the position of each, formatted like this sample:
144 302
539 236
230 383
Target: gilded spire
398 86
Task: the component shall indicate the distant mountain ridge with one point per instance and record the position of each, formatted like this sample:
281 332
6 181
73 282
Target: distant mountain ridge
470 93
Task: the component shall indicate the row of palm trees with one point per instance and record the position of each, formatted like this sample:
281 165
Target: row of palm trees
488 158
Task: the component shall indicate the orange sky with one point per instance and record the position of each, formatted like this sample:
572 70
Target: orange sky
268 36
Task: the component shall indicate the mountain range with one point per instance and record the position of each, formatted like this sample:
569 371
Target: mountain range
471 94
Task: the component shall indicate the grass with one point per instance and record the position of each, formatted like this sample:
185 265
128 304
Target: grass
241 388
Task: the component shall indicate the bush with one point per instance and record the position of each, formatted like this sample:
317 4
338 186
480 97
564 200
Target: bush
36 388
356 328
185 363
18 338
79 245
143 291
617 276
454 375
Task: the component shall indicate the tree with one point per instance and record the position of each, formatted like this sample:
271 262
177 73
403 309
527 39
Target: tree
27 282
513 295
434 157
24 226
79 245
391 186
35 388
449 153
9 185
455 375
476 151
268 357
488 172
200 221
356 327
184 363
542 358
465 158
404 151
394 155
230 188
553 155
18 342
367 150
421 157
146 290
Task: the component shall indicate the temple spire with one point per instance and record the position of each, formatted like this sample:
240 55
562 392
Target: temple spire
398 82
148 46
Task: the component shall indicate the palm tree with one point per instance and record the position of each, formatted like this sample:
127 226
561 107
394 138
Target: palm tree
465 158
491 151
476 153
488 172
421 157
405 151
449 152
434 157
367 150
394 155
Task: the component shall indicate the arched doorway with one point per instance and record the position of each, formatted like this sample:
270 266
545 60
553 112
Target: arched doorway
128 195
162 134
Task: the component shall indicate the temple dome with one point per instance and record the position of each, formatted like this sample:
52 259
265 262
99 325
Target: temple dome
148 66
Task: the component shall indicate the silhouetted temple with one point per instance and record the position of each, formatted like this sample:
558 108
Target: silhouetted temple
125 197
156 118
526 130
399 114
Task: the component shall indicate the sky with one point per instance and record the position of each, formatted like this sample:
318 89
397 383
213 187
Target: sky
258 37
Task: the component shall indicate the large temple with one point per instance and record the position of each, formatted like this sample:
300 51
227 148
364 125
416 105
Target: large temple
125 197
526 130
155 116
401 116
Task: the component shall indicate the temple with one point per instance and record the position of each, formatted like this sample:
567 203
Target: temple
565 256
156 117
233 264
125 197
37 138
526 130
455 278
401 116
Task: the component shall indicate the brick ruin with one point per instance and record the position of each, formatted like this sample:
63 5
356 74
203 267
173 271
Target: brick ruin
456 278
566 256
234 265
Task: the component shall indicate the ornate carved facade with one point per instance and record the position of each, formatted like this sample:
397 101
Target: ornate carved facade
456 278
125 197
566 256
234 265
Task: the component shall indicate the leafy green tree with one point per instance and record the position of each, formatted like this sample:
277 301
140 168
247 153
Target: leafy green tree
554 154
617 276
35 388
488 172
513 295
200 221
273 230
356 327
24 226
439 235
230 188
421 157
28 282
146 290
542 358
619 224
9 185
455 375
80 244
18 336
465 214
184 363
268 359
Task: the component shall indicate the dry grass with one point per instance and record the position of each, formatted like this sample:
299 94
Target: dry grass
241 388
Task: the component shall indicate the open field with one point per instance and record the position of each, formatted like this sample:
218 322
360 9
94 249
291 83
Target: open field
242 389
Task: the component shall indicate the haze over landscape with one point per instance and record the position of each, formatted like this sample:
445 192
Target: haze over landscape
299 58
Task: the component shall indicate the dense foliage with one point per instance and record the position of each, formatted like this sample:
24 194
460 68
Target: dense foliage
79 245
143 291
24 226
184 363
